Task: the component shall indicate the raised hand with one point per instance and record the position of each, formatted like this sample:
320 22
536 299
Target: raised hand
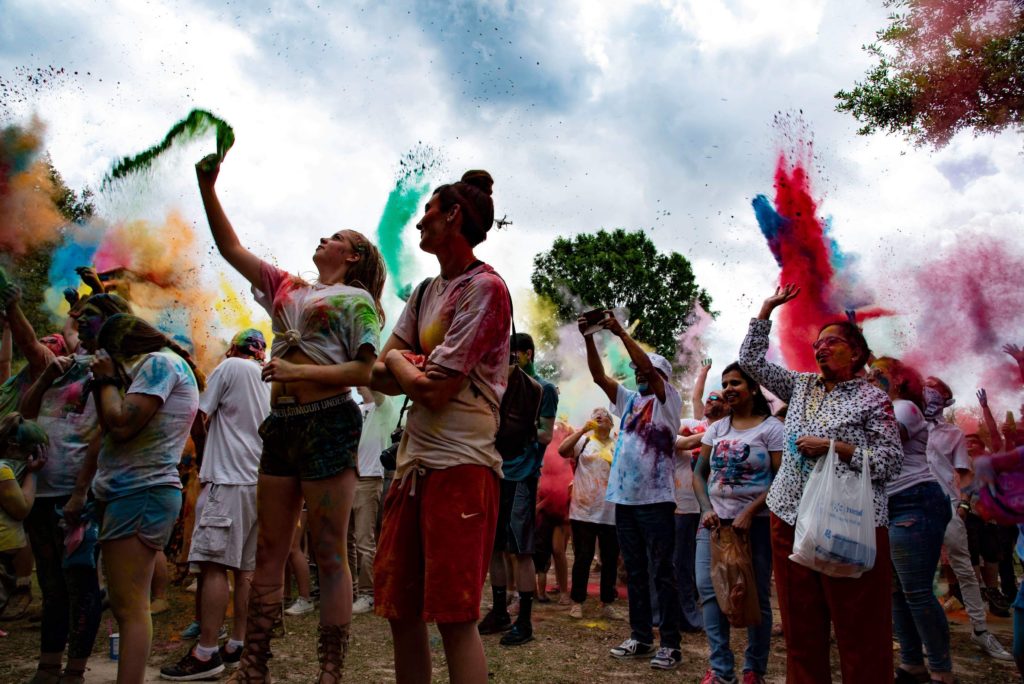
91 278
705 366
207 169
612 325
982 397
1016 352
783 294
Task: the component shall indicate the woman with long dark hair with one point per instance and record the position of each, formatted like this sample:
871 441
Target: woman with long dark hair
739 456
147 394
919 512
832 406
326 337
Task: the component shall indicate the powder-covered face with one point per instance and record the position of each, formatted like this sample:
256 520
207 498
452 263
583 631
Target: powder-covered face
603 420
435 227
833 352
55 343
975 446
88 322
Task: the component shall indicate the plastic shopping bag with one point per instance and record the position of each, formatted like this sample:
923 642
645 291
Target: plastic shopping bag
835 524
732 576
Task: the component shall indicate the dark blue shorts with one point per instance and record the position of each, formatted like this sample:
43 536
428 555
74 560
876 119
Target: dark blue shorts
311 441
148 514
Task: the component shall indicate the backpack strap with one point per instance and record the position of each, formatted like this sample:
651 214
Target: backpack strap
416 342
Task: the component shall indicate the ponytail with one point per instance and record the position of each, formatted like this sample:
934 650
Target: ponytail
124 335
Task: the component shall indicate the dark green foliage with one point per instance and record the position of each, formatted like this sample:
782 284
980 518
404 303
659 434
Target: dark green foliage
943 67
621 269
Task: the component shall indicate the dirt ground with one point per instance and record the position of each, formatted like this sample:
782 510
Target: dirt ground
564 651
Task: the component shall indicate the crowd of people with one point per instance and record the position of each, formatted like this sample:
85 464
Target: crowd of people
406 513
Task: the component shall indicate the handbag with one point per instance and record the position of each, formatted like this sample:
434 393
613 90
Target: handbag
732 576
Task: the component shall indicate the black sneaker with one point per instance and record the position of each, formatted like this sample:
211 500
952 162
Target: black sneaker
493 623
631 648
996 606
230 660
667 659
190 668
517 636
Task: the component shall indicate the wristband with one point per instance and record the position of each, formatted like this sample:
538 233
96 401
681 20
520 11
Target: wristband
100 381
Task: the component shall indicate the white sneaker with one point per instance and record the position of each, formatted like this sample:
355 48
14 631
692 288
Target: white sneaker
300 607
610 612
363 604
576 611
990 645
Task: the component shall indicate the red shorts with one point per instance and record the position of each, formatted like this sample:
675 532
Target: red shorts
435 545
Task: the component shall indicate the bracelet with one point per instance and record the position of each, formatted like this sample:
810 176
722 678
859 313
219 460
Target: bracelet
101 380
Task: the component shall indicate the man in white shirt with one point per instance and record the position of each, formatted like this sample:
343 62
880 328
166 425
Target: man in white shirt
949 461
232 408
379 420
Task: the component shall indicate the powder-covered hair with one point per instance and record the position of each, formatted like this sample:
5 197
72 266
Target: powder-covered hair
473 195
855 336
369 272
124 336
761 406
907 383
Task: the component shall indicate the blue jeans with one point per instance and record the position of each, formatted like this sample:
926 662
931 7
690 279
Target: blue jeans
1018 627
716 625
650 530
917 524
686 550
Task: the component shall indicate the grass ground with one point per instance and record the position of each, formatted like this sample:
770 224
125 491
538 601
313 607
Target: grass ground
565 650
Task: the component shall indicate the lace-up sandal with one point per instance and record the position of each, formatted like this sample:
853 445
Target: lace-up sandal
331 650
263 623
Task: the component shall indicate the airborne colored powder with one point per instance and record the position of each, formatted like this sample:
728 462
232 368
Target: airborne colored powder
810 259
28 216
404 201
196 124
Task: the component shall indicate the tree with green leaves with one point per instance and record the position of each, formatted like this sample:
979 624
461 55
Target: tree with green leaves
943 67
621 269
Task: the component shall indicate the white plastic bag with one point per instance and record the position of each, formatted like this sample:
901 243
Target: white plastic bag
835 524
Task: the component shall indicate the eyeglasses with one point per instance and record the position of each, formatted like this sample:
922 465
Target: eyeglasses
829 341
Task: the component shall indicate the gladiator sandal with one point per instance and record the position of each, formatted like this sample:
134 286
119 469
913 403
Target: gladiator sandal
264 621
331 650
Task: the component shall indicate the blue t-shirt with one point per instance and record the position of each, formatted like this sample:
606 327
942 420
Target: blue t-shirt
643 467
528 464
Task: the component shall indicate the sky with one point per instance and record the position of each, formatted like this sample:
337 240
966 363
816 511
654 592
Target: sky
652 115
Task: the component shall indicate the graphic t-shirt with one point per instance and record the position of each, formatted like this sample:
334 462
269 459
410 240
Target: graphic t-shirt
463 326
528 464
68 414
237 401
12 534
378 424
914 436
947 453
644 463
150 458
590 483
328 323
741 467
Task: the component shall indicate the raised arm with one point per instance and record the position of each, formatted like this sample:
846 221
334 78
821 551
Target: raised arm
567 449
596 365
754 349
24 337
1018 355
33 397
697 398
990 422
637 355
241 259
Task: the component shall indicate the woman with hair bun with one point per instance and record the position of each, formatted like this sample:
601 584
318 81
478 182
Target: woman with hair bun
147 394
449 353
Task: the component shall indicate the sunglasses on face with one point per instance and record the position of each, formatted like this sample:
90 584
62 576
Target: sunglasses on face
829 342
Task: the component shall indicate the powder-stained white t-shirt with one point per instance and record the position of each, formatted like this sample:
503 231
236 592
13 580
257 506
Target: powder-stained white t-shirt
150 458
590 481
643 469
237 401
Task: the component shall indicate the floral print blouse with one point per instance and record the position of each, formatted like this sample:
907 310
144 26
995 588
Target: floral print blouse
854 412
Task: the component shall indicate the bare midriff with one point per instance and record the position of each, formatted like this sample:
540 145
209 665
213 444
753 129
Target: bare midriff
284 394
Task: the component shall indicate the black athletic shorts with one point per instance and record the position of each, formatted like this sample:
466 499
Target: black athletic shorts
516 516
